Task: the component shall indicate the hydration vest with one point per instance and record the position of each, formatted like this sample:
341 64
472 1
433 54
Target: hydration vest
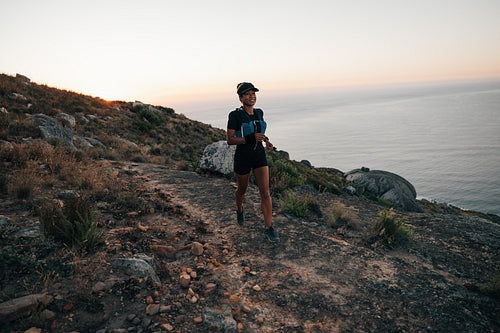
249 126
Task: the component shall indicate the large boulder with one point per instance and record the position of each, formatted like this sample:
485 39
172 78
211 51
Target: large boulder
385 185
218 157
51 129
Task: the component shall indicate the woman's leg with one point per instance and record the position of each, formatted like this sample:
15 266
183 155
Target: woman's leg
242 182
262 178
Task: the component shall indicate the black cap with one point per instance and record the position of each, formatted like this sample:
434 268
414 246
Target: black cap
244 87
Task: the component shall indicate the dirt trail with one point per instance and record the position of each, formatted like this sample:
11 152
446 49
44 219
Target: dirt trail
316 280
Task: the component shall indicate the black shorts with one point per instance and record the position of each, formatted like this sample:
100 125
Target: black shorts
245 161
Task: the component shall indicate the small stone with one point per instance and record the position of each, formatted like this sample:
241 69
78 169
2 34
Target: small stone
259 320
257 288
99 286
197 249
167 327
240 327
246 309
247 269
253 273
234 298
149 300
198 320
34 330
165 308
185 280
194 299
153 309
47 315
191 292
193 275
209 288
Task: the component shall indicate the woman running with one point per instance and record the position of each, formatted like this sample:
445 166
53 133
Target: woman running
246 129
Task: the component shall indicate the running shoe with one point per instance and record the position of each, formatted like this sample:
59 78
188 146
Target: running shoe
271 234
240 217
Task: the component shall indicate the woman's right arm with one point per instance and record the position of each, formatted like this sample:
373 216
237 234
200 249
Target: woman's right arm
232 139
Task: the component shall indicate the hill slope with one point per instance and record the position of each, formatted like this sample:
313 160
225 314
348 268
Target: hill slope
321 277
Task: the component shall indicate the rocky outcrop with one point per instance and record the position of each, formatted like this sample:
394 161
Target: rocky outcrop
218 157
385 185
51 129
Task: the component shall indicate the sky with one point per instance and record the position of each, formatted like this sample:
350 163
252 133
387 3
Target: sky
170 52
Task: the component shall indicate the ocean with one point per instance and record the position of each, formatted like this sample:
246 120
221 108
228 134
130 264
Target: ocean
442 137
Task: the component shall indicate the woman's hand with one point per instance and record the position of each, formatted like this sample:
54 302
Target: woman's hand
260 137
269 146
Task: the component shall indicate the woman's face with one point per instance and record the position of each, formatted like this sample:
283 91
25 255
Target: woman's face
249 98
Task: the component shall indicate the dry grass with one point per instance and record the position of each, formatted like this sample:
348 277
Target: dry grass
342 216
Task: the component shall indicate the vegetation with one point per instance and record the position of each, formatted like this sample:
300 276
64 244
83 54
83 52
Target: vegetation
298 204
286 174
74 223
391 229
342 216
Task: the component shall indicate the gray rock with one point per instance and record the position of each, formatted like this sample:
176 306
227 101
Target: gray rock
222 319
14 308
351 190
22 77
385 185
82 142
67 194
3 110
33 231
218 157
69 118
52 129
18 97
4 221
306 163
137 267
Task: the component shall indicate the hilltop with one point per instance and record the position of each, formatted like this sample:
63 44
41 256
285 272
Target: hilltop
132 169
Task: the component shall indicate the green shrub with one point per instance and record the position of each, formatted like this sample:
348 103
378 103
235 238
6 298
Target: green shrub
297 205
392 230
141 126
284 175
75 224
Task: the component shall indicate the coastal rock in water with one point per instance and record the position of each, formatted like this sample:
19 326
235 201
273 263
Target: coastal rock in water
218 157
385 185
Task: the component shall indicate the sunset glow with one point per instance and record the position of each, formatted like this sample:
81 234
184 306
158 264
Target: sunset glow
167 52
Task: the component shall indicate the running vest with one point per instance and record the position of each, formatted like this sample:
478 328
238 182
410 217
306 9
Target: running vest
249 126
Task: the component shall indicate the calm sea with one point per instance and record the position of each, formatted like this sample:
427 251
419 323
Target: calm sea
442 137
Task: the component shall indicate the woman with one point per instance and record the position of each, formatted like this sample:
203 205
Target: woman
246 129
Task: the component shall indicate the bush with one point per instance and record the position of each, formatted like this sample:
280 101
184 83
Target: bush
392 230
342 216
295 204
75 223
283 175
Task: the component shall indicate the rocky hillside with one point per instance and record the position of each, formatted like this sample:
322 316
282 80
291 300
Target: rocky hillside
106 225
